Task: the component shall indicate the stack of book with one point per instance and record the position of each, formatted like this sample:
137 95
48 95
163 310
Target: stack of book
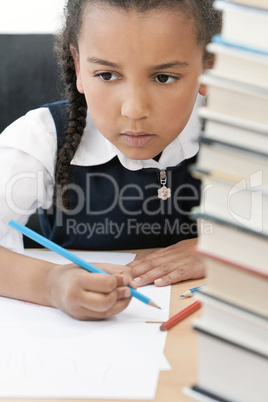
233 214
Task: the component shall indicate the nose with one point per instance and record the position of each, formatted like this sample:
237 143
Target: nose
135 104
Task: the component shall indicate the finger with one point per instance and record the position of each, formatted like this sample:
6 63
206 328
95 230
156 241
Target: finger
117 308
152 263
190 270
174 249
103 283
118 269
178 275
114 269
163 269
99 283
85 313
153 256
178 251
143 267
126 281
140 260
102 302
124 292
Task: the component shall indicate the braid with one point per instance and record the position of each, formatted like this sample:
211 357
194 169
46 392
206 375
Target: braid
74 132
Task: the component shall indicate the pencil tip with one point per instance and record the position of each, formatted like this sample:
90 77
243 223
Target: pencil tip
162 328
153 304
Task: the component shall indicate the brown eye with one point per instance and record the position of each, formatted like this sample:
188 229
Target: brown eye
162 78
166 78
106 76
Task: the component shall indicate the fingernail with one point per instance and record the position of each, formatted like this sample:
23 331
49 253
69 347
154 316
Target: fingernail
127 293
158 281
125 280
137 279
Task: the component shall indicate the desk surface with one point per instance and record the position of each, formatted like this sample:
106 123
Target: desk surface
180 350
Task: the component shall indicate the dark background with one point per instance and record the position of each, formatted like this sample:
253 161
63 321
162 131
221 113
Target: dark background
29 78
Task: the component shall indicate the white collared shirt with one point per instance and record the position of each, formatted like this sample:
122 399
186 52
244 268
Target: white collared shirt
28 149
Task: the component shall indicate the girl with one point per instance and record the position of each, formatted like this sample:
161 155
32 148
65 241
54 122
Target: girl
109 167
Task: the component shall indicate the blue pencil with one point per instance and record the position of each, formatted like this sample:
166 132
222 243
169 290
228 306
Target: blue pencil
190 292
72 257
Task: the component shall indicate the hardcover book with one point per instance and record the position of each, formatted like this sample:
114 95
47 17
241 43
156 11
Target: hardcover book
235 200
234 131
230 369
244 25
238 63
252 166
241 245
249 102
237 284
263 4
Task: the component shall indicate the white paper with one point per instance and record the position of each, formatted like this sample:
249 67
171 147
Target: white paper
47 354
138 311
90 256
50 355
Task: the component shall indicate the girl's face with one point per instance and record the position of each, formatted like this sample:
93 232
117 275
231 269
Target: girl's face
139 73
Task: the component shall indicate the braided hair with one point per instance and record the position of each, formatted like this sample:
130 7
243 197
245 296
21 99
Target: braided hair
207 23
77 103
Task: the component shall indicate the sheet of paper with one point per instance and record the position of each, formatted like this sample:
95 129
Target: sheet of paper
50 355
90 256
136 311
47 354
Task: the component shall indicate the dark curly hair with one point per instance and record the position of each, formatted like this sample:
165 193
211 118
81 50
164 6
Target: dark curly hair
207 22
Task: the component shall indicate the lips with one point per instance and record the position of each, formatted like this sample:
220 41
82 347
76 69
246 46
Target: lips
139 139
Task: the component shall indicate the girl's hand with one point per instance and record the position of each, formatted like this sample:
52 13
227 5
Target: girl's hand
88 296
168 265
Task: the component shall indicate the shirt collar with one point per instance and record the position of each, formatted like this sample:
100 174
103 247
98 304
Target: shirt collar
94 149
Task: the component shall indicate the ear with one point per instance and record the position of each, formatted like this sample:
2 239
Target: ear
209 63
79 83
